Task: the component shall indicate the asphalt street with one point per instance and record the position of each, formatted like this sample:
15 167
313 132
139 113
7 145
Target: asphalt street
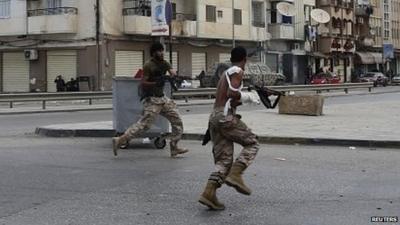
77 181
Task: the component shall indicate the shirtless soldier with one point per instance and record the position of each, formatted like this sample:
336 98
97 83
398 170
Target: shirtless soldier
226 128
155 103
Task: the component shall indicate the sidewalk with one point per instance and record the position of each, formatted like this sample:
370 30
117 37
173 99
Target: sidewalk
355 124
82 105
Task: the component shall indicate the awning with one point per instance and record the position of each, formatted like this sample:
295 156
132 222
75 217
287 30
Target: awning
370 57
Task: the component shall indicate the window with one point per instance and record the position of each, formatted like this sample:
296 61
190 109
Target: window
173 10
5 6
138 7
276 17
237 17
220 13
258 15
307 11
53 3
387 34
211 13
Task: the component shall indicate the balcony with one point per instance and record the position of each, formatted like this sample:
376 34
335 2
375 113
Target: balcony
258 31
62 20
184 25
336 3
281 31
137 21
364 11
328 45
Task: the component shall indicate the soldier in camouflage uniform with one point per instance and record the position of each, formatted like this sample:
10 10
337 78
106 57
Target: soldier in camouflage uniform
226 128
155 103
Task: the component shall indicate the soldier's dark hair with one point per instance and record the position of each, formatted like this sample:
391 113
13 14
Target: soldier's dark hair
157 46
238 54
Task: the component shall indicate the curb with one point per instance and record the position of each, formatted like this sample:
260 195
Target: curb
262 139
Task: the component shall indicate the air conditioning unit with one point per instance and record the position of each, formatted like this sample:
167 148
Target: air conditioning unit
31 54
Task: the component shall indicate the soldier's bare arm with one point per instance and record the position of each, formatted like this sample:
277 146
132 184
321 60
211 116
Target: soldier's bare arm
236 82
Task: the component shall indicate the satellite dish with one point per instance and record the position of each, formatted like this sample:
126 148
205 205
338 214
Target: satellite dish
286 9
321 16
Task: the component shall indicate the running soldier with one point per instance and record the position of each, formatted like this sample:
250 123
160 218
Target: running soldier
155 103
226 128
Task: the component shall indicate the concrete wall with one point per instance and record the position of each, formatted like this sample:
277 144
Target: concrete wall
38 71
87 64
111 14
16 23
222 28
1 72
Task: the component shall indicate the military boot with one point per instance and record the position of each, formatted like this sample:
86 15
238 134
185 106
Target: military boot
209 197
175 150
235 180
118 142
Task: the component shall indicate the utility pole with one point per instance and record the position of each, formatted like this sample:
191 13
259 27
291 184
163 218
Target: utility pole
233 23
98 51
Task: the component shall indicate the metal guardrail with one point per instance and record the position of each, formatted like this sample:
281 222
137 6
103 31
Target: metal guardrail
186 93
57 96
324 87
183 93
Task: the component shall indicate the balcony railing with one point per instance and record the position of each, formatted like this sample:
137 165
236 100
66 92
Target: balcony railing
53 11
337 3
258 24
136 11
184 17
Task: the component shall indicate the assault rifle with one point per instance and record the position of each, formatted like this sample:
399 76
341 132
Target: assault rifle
174 81
264 93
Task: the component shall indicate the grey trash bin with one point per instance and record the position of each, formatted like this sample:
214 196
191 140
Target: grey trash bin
127 109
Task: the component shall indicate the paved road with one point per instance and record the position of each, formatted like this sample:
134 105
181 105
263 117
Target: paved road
77 181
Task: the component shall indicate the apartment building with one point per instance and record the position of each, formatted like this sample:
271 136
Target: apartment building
369 36
336 39
395 19
40 39
377 28
288 52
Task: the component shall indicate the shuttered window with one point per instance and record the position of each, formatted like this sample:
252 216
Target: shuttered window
15 72
127 63
198 63
62 63
237 17
5 8
211 13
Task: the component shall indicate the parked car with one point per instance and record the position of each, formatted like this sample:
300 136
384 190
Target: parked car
377 78
325 78
186 84
396 79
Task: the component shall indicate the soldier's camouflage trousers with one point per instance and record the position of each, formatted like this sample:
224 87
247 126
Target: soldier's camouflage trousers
224 131
152 107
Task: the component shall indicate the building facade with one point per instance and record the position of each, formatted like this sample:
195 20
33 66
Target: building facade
41 39
336 39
